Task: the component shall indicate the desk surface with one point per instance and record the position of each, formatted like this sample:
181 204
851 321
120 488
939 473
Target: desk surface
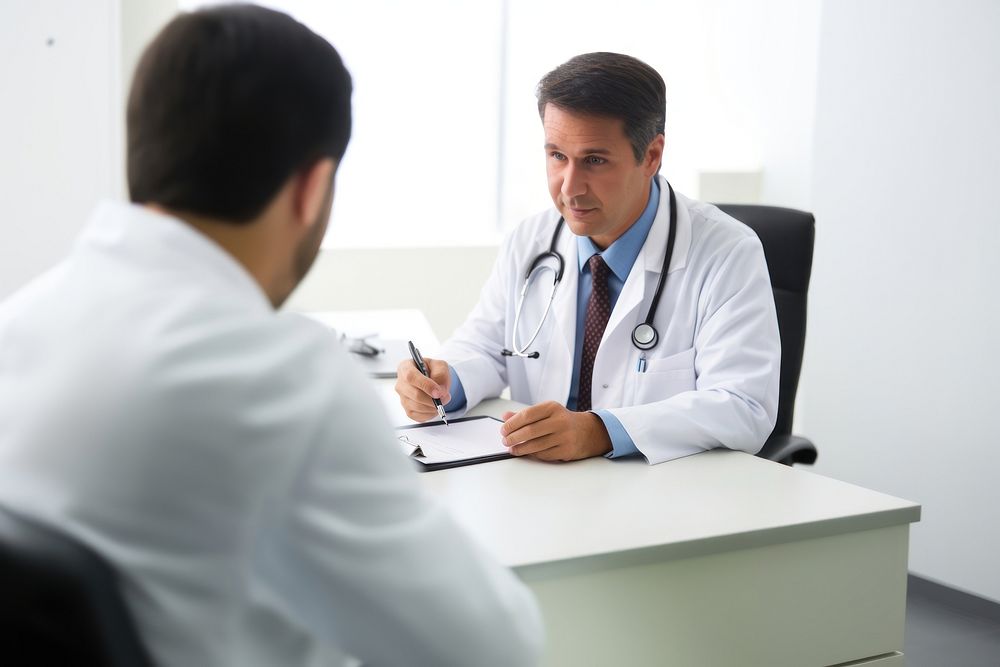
402 324
528 512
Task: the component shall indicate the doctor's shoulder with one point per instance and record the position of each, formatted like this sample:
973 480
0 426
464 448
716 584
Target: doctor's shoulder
531 236
716 234
520 245
533 232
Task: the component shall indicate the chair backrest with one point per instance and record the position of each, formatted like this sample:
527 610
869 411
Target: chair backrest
787 236
60 602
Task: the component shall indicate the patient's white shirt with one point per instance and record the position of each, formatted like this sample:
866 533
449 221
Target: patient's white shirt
234 466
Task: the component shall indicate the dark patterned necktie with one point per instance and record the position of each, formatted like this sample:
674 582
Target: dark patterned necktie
598 312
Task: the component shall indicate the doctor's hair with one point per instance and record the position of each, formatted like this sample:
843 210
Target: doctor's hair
611 85
227 103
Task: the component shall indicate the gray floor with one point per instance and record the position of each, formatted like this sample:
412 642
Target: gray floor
945 628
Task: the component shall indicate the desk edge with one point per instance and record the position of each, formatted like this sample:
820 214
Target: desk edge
719 544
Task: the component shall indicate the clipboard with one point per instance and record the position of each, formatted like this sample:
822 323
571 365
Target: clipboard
439 461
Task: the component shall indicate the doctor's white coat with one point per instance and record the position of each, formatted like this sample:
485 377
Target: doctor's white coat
711 381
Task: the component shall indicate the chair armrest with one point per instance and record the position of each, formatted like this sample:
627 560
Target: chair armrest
789 449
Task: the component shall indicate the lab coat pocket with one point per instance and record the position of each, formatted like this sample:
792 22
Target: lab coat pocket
665 377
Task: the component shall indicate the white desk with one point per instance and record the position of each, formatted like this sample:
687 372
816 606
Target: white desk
713 560
404 324
716 559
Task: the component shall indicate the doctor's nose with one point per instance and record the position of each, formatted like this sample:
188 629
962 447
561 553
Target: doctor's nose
573 183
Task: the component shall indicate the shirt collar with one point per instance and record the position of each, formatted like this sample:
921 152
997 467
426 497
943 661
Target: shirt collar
160 241
621 255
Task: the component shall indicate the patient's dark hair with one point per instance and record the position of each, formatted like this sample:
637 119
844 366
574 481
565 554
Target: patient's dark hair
611 85
226 104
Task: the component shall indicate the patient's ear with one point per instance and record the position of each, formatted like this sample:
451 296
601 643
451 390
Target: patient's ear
311 192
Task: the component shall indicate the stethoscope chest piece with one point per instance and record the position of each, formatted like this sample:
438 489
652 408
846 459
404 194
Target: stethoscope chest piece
644 337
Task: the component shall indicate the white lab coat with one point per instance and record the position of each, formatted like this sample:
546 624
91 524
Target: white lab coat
712 381
234 466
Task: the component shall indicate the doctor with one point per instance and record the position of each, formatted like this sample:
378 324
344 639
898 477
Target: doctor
631 319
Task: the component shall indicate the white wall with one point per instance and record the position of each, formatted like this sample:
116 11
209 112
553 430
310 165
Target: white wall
375 278
63 71
786 48
58 67
902 362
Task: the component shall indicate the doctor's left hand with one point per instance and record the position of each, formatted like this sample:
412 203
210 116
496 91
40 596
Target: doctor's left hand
550 432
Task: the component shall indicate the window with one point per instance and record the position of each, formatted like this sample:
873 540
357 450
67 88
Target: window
447 143
422 167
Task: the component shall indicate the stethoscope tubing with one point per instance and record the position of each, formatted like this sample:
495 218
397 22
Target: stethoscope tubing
644 336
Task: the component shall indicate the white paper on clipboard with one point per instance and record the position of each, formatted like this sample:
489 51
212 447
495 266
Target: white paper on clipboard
459 441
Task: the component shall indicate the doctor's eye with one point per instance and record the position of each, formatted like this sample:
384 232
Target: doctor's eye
594 160
556 155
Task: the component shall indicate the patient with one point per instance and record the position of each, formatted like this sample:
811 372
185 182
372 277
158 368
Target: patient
225 457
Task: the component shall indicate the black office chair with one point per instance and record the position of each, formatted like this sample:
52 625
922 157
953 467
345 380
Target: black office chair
787 236
60 602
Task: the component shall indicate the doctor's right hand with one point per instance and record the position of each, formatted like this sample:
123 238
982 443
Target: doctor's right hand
416 391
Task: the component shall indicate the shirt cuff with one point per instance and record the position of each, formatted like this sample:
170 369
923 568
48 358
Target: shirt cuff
457 391
621 443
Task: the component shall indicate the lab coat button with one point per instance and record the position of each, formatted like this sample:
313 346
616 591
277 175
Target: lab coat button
605 386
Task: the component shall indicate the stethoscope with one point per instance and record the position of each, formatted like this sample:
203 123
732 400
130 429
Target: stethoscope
644 336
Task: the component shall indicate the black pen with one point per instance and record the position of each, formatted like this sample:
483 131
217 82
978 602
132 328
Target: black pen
418 361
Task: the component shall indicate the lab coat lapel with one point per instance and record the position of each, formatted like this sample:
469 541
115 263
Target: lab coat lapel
640 285
649 261
631 296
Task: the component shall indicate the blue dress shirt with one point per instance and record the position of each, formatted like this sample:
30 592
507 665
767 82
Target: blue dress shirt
619 256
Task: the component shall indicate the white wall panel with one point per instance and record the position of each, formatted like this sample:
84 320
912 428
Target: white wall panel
902 369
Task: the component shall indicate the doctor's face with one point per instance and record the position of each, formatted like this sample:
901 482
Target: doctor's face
594 179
